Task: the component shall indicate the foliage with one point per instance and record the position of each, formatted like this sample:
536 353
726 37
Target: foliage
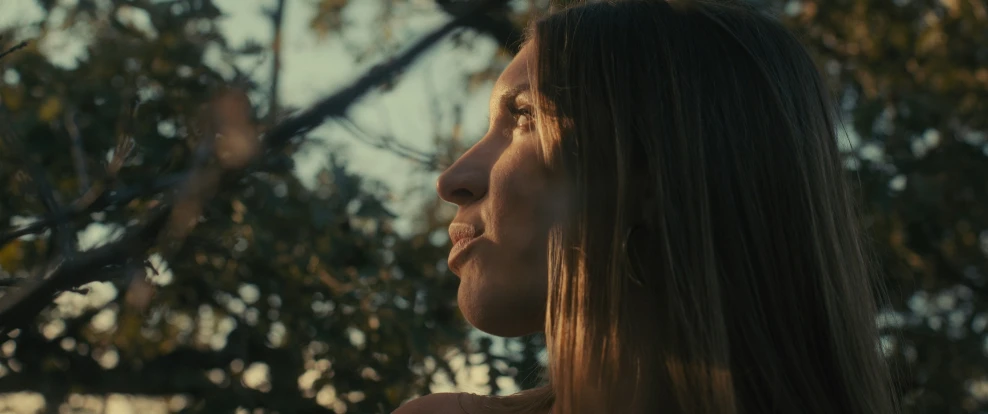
911 78
308 287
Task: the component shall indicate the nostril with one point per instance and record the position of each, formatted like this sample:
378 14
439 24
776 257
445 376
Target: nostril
461 194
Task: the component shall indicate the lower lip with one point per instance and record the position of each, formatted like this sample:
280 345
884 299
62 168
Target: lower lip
458 253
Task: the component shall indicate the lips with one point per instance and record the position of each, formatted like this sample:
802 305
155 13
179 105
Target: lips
460 231
463 236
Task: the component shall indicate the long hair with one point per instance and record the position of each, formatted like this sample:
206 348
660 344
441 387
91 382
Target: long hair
713 262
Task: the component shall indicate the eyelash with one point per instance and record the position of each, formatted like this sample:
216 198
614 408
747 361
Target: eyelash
518 112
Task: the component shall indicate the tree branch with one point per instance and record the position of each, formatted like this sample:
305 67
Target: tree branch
19 305
62 232
277 20
100 202
78 156
337 104
388 143
17 47
496 24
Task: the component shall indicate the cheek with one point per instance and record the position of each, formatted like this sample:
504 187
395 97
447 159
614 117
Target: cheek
521 200
505 293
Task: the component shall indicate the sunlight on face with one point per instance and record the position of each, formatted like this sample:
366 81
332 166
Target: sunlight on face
506 208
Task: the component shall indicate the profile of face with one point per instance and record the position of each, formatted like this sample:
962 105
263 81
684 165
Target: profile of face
507 204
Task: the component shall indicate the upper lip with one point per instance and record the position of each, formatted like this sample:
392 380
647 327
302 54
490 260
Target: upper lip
462 231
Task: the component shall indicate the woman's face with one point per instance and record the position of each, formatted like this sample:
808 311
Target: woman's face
507 206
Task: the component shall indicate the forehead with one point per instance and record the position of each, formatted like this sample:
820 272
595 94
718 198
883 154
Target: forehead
516 74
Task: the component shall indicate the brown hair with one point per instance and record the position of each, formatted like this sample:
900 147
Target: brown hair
714 261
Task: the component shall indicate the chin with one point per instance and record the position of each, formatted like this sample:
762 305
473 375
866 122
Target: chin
499 320
503 293
501 312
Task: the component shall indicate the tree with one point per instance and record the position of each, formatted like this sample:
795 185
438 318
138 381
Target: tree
911 78
309 289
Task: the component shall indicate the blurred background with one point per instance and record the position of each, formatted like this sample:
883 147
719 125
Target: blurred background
319 284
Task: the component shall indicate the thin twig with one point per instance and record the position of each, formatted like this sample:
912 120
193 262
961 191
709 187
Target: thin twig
277 20
62 231
97 200
337 104
125 145
101 201
78 156
20 304
388 143
19 46
9 281
125 141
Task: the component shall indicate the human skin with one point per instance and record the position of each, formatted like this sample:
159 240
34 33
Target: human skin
507 203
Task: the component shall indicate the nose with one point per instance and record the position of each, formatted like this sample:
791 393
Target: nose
465 181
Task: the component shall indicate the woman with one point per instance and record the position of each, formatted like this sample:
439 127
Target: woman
660 192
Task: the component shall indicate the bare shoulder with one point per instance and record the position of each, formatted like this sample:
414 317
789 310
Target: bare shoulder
439 403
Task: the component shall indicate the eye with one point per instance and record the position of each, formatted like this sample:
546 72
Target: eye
522 116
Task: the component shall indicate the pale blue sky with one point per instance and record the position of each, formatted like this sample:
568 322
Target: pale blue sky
314 67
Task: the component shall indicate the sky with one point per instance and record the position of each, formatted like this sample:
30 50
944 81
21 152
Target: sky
315 66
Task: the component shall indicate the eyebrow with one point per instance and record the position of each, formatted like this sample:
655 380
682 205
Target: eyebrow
508 98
